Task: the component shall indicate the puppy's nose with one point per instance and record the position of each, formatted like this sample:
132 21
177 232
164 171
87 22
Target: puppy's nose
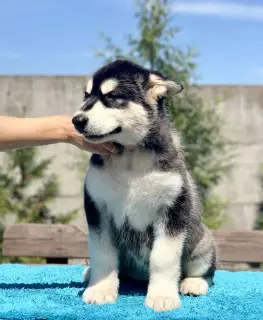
80 122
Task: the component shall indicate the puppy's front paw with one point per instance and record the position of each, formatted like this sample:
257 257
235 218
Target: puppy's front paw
194 286
99 295
163 303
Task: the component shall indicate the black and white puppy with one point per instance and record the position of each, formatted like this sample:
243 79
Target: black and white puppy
141 205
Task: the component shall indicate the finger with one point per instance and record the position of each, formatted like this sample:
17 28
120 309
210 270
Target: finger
106 148
110 147
101 151
96 149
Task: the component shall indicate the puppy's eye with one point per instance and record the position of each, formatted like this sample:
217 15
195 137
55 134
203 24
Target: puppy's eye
114 96
110 95
86 95
119 100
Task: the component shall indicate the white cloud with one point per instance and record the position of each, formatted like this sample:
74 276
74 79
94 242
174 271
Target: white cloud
223 9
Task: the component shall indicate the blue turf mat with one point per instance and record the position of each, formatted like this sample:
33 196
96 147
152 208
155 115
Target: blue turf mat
54 292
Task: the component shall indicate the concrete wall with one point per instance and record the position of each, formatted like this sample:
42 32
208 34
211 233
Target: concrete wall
240 106
47 96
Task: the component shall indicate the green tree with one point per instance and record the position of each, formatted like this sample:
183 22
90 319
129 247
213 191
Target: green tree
27 190
259 220
204 146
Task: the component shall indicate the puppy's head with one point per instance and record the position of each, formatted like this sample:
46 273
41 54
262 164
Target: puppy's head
121 102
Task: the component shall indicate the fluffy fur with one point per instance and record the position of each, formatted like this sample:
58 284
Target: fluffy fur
141 204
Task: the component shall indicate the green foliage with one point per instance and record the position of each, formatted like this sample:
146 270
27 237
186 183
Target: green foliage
27 190
259 220
80 165
199 125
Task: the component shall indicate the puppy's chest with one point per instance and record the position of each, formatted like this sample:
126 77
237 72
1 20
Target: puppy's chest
126 191
131 190
123 197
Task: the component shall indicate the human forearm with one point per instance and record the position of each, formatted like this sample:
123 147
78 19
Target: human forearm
28 132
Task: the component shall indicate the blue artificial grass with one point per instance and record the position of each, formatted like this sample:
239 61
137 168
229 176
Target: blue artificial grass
54 292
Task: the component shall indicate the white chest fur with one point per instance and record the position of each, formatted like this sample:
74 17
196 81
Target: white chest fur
132 190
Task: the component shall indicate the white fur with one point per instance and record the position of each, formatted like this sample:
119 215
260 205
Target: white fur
103 282
165 259
135 123
160 87
89 86
136 195
78 113
199 266
157 91
194 286
133 120
108 85
102 120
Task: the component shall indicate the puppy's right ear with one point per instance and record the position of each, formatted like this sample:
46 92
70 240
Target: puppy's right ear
159 87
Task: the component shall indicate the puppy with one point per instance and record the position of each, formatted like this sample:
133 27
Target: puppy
141 204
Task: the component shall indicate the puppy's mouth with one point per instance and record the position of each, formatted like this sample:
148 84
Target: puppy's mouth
101 136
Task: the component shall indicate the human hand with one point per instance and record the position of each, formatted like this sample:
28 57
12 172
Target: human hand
77 139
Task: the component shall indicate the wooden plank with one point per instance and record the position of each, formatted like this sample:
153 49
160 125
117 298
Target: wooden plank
239 246
68 241
42 240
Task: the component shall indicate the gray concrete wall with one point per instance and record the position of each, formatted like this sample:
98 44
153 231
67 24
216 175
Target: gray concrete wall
241 108
47 96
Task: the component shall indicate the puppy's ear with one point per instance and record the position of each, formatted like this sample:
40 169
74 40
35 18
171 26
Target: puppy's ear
159 87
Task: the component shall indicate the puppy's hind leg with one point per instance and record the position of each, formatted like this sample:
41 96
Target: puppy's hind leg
200 268
86 275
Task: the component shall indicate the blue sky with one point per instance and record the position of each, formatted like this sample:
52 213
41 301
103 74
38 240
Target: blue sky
58 36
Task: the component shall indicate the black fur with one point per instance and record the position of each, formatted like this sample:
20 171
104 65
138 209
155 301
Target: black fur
128 88
92 213
97 160
130 239
212 269
177 216
167 157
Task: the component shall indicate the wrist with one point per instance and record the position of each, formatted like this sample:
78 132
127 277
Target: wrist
68 130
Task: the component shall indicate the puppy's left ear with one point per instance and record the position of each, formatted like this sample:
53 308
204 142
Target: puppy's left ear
159 87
